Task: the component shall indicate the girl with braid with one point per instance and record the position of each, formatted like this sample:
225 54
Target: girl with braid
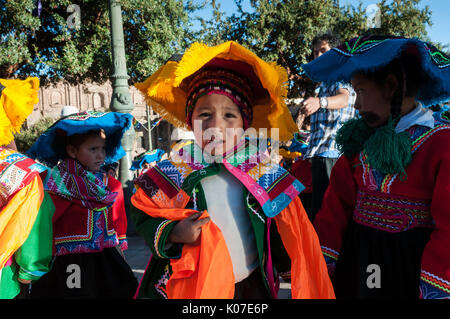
384 225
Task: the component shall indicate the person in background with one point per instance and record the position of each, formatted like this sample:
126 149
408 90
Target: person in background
147 160
332 107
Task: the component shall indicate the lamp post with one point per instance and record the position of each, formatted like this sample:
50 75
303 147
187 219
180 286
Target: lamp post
121 96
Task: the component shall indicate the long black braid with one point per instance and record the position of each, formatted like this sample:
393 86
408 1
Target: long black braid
408 73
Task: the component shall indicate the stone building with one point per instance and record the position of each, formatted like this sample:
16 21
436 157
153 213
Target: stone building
97 97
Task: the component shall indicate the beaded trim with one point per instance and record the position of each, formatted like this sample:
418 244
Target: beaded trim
333 254
391 213
435 281
158 234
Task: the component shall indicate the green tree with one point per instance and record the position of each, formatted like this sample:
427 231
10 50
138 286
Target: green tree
27 136
282 30
50 46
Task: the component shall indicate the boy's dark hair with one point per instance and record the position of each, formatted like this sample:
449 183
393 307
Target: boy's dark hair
332 39
409 73
62 140
77 139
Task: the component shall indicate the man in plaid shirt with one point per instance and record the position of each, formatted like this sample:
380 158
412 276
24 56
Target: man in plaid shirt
329 110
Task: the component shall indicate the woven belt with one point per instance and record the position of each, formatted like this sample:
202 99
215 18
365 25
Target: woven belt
391 213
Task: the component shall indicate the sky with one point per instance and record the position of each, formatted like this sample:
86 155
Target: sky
440 15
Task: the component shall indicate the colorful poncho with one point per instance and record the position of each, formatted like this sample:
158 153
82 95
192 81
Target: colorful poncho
168 192
19 179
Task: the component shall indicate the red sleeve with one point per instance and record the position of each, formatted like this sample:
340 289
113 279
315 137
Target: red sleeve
337 208
61 206
118 212
435 268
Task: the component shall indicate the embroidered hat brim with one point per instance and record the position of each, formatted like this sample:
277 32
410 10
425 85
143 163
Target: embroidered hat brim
370 53
114 124
147 157
167 89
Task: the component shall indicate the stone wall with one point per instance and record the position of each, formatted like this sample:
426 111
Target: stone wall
97 97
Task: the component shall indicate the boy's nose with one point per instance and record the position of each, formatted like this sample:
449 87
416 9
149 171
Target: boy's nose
215 122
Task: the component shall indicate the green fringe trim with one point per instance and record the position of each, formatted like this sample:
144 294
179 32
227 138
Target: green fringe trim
386 151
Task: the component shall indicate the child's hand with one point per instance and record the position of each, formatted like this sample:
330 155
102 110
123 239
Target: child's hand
188 230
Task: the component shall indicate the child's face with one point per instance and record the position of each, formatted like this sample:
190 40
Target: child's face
321 48
217 123
372 100
91 153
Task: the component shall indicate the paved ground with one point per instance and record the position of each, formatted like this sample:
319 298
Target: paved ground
138 254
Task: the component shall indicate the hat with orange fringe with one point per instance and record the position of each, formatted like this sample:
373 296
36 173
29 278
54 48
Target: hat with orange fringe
170 89
17 100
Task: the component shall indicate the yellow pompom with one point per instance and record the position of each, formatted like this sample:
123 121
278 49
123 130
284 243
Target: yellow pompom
17 101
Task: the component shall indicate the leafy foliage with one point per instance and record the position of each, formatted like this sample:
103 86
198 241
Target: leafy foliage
26 137
282 30
50 47
276 30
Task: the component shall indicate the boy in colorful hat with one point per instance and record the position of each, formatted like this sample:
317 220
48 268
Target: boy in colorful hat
25 209
384 223
89 230
209 211
146 160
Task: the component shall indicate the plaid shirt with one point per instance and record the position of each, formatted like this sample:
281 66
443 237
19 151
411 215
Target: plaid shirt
325 122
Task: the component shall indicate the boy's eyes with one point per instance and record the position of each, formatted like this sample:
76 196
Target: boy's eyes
228 115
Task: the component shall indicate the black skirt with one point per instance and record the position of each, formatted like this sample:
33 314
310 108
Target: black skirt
103 274
378 264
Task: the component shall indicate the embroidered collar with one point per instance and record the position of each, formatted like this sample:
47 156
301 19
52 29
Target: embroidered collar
271 185
16 171
418 116
71 181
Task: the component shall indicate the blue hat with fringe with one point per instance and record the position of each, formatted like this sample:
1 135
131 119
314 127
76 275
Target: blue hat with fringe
50 146
300 142
369 53
147 157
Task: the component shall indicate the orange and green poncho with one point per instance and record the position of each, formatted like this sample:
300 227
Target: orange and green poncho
172 190
168 193
25 210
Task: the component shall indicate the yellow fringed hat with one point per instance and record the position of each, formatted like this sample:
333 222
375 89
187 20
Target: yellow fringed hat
17 100
167 89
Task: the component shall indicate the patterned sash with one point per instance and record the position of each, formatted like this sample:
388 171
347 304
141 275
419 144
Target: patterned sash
16 171
71 181
391 213
271 185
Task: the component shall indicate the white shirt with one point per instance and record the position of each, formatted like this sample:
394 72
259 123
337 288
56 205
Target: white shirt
225 201
418 116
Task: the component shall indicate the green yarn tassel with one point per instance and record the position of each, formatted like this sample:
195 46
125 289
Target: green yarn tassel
350 138
387 151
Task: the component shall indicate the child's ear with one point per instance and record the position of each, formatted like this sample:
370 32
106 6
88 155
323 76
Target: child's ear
71 151
390 86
